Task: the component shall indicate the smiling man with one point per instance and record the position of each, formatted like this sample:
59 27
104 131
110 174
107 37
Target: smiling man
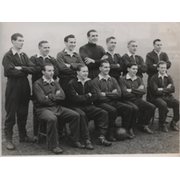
92 54
17 66
68 60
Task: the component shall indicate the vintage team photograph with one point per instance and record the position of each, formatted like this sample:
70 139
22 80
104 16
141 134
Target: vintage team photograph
89 88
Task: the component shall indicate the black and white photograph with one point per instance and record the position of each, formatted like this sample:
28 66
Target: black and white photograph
90 88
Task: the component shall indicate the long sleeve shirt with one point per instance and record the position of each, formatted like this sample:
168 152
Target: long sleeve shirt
126 83
126 59
94 52
64 58
10 60
157 82
153 58
39 63
106 86
78 92
115 64
46 94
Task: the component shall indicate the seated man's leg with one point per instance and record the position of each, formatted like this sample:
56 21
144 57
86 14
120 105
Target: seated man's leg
73 118
146 112
163 110
84 131
52 134
128 111
174 104
112 114
100 118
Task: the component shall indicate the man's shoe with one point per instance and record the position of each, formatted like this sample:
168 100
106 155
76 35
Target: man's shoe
147 130
131 134
10 145
163 128
111 138
104 142
77 144
88 145
174 126
57 150
26 139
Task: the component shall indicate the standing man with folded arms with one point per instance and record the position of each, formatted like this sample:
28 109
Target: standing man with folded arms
68 60
17 66
92 54
132 57
152 60
113 58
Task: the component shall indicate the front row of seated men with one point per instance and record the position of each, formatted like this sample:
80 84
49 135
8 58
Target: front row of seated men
102 100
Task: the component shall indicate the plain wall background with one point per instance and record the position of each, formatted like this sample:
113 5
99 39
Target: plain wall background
144 33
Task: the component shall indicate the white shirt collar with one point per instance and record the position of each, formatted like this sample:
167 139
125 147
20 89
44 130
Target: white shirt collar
110 53
39 55
83 82
49 81
71 53
15 51
130 54
102 77
160 75
129 77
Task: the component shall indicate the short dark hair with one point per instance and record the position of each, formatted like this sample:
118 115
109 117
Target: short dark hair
103 62
42 42
109 38
78 68
89 32
15 36
156 40
46 64
129 65
68 37
131 41
161 62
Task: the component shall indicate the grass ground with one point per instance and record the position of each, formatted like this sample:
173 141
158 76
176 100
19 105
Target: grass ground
159 143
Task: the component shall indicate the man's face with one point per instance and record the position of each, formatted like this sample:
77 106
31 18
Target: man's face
162 68
93 38
83 73
71 44
49 72
105 68
18 43
133 70
44 49
111 45
132 47
158 46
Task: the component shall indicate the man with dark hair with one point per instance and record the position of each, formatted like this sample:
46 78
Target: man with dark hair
39 60
162 87
109 98
68 60
113 58
81 95
133 89
131 57
152 59
92 54
16 68
48 96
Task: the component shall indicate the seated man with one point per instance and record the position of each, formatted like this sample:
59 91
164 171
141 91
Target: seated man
80 94
109 96
133 89
162 87
48 95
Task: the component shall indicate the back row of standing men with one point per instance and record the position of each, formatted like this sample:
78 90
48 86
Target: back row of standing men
98 85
